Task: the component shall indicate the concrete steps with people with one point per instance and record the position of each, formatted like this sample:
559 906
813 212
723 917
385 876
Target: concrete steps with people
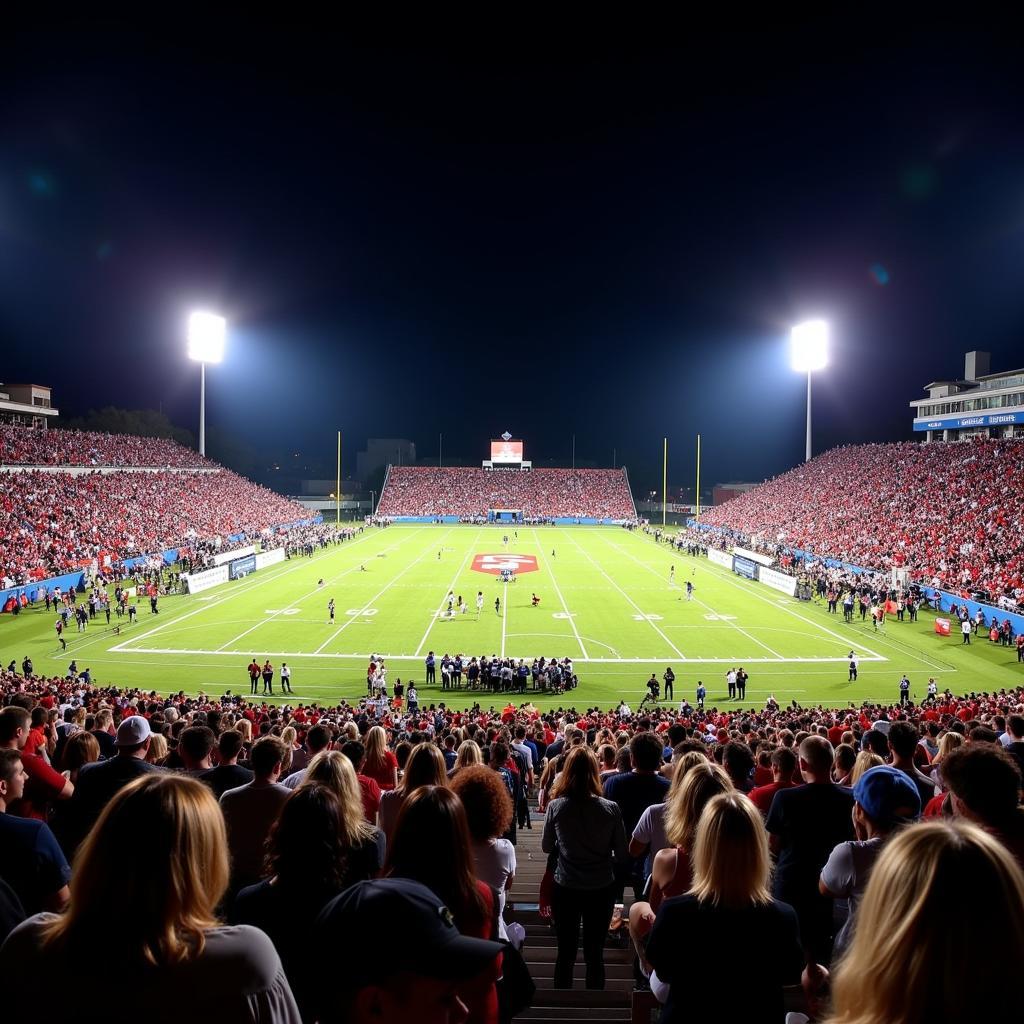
613 1004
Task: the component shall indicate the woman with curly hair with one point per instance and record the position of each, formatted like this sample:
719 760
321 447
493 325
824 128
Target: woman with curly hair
144 893
488 806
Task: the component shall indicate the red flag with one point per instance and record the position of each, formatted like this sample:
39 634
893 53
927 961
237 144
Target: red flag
942 627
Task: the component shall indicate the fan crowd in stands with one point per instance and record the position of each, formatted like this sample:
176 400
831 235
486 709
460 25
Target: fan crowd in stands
539 493
20 446
311 863
55 522
951 513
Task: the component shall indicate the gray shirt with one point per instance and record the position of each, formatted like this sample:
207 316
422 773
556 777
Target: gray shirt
237 977
588 834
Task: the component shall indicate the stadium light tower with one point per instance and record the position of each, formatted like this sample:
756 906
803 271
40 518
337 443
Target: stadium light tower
809 352
205 345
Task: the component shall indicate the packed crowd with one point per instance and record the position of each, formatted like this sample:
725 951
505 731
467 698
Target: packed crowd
55 522
262 850
20 446
538 494
953 514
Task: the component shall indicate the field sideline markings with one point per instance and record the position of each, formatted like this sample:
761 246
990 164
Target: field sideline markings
122 647
725 574
558 591
587 555
352 618
451 587
413 657
730 624
302 597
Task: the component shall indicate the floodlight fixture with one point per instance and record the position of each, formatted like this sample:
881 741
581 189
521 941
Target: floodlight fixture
206 333
808 350
809 346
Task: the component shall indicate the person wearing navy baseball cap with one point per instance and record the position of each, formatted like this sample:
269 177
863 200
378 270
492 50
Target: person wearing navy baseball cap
393 955
885 799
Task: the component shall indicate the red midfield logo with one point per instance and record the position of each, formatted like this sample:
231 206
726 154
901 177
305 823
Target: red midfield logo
494 564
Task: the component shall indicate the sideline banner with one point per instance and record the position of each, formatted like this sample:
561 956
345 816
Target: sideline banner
722 558
196 581
265 558
777 580
753 556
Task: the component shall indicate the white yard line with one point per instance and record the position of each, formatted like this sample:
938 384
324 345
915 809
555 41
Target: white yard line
733 625
317 589
366 604
558 591
451 587
726 576
589 661
678 652
123 648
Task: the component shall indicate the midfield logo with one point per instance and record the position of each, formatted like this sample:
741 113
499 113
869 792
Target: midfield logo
494 564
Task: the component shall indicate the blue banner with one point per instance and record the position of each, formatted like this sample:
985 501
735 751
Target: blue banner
239 567
744 567
992 419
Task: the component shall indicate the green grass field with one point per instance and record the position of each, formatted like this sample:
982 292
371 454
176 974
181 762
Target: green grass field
606 601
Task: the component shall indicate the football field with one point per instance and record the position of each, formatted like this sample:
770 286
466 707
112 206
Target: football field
609 599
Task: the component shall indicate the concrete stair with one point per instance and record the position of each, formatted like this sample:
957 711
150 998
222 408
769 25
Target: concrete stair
613 1004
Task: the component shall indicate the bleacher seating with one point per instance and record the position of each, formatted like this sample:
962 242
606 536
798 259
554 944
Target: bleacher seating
540 493
951 513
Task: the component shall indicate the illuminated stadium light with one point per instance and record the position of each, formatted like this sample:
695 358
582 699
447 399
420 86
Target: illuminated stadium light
206 337
206 333
809 346
808 351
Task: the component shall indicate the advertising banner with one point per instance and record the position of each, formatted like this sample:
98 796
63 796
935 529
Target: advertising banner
744 567
197 581
722 558
226 556
239 567
753 556
265 558
778 580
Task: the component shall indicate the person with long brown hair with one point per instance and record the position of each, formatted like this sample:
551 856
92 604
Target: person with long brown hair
432 846
425 767
146 884
586 831
312 855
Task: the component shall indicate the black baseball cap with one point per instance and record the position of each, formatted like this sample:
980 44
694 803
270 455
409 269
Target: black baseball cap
366 920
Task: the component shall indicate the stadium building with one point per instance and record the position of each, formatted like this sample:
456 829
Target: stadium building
26 405
982 404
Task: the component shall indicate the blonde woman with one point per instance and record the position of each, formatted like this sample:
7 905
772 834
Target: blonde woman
425 767
729 897
909 962
865 762
649 835
466 756
948 742
157 748
381 764
158 852
244 726
672 871
333 769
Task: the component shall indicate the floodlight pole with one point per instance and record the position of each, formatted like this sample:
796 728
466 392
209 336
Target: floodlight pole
808 455
202 409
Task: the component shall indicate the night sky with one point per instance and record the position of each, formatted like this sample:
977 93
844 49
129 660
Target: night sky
551 239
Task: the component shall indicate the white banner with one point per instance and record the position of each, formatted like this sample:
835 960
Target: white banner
265 558
226 556
753 556
722 558
197 581
778 580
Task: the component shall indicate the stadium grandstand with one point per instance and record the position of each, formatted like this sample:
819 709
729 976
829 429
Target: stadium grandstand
537 494
73 499
952 514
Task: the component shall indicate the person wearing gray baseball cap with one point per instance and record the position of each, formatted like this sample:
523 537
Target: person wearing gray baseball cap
100 782
392 954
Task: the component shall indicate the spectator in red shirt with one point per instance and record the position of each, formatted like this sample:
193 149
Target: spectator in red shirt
783 765
356 753
43 784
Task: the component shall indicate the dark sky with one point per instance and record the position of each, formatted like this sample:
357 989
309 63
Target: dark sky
570 237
